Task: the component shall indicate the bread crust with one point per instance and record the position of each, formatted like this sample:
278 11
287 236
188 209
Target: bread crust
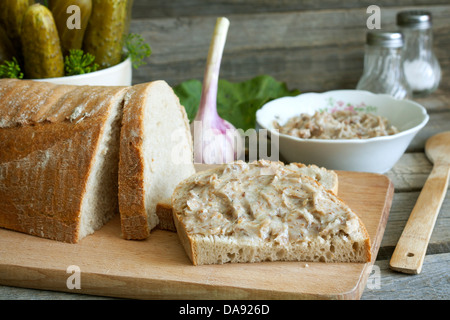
187 241
132 209
27 186
45 164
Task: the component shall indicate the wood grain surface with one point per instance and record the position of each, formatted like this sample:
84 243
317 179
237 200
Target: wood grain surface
310 50
158 267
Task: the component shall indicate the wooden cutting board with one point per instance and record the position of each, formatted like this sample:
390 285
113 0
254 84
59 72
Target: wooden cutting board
158 267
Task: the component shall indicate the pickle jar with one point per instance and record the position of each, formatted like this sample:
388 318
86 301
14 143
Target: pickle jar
383 72
421 67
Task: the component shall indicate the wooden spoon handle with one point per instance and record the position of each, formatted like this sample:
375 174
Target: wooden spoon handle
411 248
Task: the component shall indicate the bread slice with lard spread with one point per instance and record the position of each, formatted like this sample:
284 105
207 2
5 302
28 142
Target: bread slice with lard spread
265 211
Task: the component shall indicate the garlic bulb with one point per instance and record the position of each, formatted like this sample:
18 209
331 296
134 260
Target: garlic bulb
216 140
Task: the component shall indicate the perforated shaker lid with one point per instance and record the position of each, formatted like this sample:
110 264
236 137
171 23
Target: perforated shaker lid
384 39
417 19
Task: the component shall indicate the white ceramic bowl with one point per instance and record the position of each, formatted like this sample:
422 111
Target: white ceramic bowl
377 155
118 75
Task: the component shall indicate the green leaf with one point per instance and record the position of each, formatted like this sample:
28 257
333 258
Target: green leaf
237 102
189 92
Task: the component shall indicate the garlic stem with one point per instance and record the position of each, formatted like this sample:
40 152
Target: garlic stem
215 139
208 103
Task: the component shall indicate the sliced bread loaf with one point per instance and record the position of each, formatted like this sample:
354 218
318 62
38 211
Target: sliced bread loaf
155 155
58 161
261 211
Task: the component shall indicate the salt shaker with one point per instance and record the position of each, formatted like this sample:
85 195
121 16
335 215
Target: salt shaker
383 72
421 67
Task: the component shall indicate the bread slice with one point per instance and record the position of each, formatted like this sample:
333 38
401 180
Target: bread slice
155 155
165 216
328 178
264 211
58 161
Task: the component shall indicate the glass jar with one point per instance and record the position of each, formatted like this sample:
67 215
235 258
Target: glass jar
383 72
422 69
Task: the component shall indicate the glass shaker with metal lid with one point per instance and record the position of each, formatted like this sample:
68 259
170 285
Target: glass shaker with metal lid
422 69
383 72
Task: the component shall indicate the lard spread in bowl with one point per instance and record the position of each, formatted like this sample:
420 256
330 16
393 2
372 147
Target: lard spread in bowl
327 137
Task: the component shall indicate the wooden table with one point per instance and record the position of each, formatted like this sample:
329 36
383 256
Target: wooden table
408 176
179 33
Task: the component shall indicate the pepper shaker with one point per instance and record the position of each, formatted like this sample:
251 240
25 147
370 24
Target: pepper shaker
421 67
383 72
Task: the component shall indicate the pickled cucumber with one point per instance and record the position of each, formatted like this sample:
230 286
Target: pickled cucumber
71 38
128 18
43 57
11 16
106 30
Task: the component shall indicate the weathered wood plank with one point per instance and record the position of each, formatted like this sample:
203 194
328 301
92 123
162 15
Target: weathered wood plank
410 172
283 65
433 283
309 50
402 206
176 8
436 102
15 293
439 122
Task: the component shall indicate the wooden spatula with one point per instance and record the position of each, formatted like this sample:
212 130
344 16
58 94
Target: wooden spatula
411 248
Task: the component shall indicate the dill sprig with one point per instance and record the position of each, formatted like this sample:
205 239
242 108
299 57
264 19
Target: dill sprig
11 69
137 49
78 62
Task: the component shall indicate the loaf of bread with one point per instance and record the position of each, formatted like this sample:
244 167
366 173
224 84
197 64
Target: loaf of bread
155 155
59 158
327 178
265 211
72 156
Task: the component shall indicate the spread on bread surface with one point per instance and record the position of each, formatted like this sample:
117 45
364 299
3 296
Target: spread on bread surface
262 200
